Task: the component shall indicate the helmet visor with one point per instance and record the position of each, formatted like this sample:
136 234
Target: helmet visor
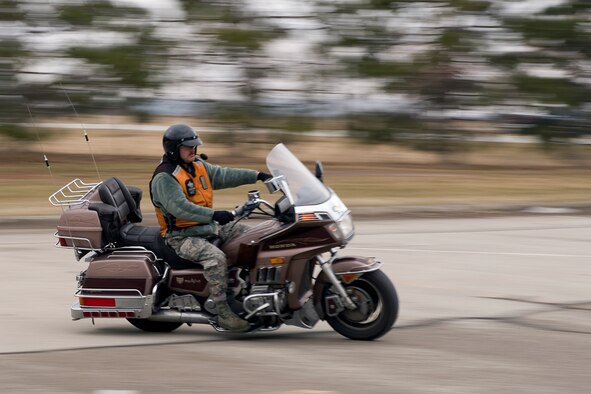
191 141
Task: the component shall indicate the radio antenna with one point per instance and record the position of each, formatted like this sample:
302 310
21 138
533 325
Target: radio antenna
42 146
33 124
85 133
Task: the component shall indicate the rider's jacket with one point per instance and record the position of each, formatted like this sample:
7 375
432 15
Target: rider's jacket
183 195
196 186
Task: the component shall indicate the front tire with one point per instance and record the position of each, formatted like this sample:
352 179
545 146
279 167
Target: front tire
376 312
154 326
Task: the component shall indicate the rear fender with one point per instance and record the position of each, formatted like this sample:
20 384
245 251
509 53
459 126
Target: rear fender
347 269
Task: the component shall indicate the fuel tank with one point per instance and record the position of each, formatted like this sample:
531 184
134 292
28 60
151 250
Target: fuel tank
242 250
288 240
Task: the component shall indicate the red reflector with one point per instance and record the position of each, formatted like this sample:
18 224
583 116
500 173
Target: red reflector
87 301
62 242
116 314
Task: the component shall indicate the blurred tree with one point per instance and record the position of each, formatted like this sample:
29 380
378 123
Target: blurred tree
236 38
11 54
99 75
398 68
433 78
121 71
95 12
9 10
555 77
12 101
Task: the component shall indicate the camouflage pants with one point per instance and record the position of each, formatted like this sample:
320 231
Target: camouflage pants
213 260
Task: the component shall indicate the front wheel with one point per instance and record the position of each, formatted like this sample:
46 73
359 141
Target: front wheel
377 308
154 326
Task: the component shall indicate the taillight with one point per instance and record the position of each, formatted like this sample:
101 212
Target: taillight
92 301
62 242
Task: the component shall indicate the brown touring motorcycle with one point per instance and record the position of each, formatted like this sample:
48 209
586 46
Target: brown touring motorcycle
284 270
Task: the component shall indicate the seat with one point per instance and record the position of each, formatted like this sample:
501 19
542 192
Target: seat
119 214
149 237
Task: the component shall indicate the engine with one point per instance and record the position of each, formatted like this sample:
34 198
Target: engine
265 301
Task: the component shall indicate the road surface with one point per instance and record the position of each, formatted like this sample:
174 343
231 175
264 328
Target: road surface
489 305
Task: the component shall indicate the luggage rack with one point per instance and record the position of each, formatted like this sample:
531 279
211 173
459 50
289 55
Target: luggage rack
73 193
76 192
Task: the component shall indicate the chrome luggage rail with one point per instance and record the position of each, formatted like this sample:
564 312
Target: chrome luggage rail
77 242
128 303
73 193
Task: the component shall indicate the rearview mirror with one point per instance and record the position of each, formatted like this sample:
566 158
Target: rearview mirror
319 171
273 184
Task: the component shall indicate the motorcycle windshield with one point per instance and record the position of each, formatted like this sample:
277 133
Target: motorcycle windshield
305 188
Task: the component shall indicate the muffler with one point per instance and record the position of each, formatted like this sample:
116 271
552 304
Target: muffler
174 316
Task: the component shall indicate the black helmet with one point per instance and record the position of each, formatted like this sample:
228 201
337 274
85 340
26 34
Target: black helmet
177 135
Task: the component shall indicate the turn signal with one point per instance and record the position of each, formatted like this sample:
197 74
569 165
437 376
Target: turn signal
307 216
277 260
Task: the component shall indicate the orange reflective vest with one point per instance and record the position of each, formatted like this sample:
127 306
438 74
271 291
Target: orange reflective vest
197 189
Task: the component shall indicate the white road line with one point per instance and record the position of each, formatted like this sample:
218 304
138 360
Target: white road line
472 252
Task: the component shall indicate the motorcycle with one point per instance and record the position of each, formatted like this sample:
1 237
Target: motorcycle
284 270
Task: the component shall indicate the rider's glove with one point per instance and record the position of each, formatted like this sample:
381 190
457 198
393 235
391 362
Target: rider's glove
223 217
263 176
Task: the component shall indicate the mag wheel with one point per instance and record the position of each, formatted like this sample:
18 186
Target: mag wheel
154 326
376 312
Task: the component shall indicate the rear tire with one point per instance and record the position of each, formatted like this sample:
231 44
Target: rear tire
377 308
154 326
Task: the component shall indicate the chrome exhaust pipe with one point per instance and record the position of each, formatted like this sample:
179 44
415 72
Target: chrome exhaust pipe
174 316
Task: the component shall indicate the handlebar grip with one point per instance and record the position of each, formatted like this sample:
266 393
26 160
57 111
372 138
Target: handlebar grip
246 209
238 211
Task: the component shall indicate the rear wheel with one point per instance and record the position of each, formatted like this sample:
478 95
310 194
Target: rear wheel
377 308
154 326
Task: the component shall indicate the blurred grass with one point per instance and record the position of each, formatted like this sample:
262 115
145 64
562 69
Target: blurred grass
365 176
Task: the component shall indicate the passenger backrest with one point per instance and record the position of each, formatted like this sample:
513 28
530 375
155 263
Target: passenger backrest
115 209
115 193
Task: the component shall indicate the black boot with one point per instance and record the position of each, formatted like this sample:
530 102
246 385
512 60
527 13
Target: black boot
229 320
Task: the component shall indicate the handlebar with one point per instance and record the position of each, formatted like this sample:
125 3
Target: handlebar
254 202
246 209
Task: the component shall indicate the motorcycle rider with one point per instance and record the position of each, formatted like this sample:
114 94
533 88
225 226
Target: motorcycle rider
181 191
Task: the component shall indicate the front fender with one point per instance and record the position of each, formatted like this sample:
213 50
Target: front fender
347 269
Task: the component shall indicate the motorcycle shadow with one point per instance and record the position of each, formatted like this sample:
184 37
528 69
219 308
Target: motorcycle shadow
188 335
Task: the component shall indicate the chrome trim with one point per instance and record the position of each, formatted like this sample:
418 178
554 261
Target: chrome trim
326 266
142 310
163 279
375 265
73 193
132 249
259 309
73 239
135 299
98 290
181 317
275 305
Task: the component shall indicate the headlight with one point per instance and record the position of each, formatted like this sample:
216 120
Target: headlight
346 226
